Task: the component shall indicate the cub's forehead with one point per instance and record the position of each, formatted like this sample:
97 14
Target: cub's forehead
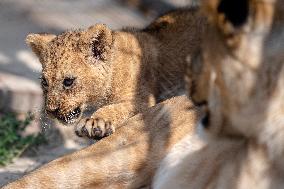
67 46
66 41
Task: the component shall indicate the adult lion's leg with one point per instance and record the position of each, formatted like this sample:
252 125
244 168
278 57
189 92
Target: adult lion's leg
126 159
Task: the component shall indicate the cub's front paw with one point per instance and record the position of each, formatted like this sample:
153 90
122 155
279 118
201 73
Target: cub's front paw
94 128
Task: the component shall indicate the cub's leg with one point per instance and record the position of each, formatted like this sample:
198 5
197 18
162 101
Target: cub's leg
94 128
103 122
126 159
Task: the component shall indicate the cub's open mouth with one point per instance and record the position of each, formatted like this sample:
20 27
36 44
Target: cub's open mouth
68 118
73 116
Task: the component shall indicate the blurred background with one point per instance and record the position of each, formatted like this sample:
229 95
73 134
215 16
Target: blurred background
27 138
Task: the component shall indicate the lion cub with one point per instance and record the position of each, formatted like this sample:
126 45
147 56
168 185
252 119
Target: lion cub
120 72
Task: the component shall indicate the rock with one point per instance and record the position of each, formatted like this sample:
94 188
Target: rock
19 95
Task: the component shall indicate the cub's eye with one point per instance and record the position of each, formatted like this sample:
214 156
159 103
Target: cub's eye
44 82
68 82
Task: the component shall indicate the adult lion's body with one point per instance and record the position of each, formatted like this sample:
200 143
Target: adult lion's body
126 159
244 126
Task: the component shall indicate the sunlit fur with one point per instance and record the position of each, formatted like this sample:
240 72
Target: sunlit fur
245 98
126 159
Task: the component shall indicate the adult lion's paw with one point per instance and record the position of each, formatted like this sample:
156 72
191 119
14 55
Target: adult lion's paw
94 128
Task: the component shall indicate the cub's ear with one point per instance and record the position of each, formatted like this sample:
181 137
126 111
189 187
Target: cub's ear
38 42
101 40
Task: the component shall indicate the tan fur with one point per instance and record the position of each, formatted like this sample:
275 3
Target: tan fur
129 71
245 102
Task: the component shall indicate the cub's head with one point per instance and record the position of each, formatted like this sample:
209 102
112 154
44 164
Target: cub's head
243 49
76 69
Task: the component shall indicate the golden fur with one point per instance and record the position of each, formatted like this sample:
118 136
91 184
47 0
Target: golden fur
121 72
243 131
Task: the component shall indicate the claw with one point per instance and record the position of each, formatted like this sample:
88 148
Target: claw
85 131
78 134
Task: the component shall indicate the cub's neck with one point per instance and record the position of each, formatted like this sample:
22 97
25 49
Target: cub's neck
133 54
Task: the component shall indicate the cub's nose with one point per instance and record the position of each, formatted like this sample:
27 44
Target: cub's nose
53 112
51 106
